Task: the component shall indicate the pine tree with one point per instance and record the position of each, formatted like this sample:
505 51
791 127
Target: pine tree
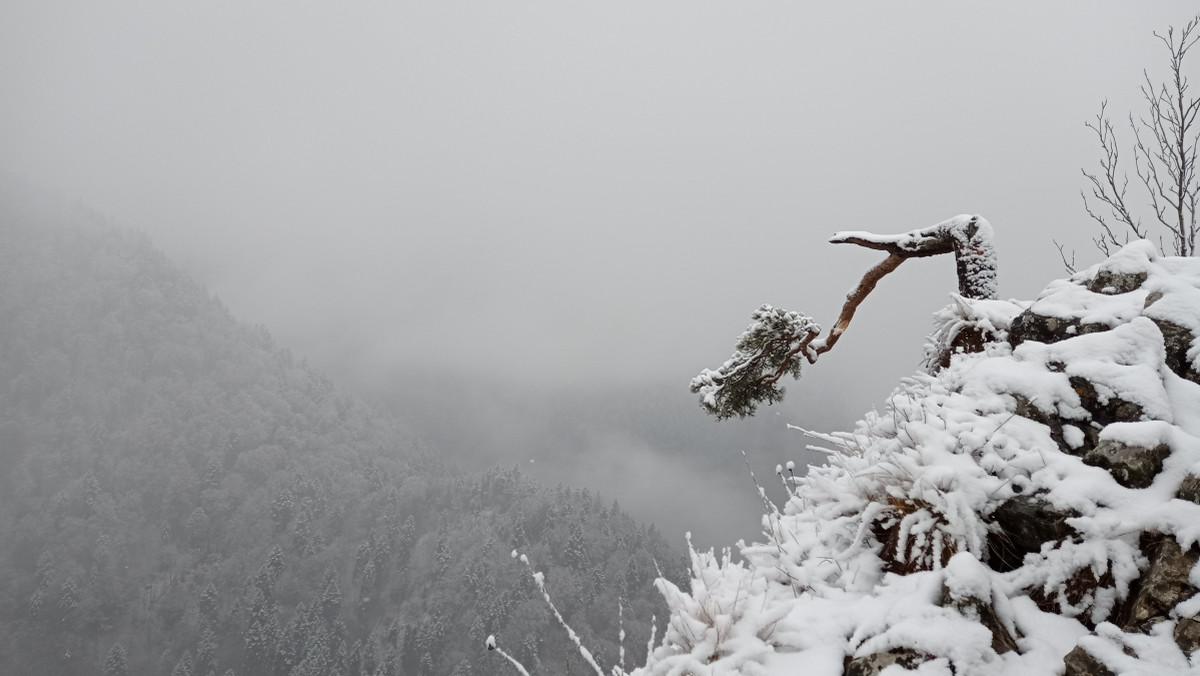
91 492
575 552
405 538
390 664
262 632
282 509
115 663
270 571
209 600
46 567
212 475
185 666
197 528
361 557
442 554
330 603
36 601
206 650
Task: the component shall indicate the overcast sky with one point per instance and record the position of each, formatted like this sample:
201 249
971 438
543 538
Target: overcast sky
562 193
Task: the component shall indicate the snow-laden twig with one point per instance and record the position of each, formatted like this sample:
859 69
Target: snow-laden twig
540 580
620 635
491 645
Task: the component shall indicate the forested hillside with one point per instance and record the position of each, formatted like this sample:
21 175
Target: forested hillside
179 495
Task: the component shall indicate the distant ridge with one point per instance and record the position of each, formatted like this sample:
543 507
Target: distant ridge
181 495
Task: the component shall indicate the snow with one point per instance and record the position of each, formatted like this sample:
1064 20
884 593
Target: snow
967 578
885 546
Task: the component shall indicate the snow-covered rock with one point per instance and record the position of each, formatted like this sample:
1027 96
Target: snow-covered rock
1028 506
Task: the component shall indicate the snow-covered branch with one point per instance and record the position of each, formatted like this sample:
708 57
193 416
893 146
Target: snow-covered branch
777 340
491 645
540 580
968 237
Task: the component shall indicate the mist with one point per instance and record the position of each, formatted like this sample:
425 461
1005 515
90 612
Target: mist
525 226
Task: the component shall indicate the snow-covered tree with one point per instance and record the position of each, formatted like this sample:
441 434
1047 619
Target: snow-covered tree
778 341
185 666
115 663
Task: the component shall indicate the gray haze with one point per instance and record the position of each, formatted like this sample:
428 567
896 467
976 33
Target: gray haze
478 211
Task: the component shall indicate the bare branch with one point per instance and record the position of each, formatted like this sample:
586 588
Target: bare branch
1166 141
1069 265
1107 190
853 299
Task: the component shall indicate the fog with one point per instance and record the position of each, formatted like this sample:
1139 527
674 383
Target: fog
525 225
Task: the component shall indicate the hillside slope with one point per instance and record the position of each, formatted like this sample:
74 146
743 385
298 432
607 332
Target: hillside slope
1029 507
180 495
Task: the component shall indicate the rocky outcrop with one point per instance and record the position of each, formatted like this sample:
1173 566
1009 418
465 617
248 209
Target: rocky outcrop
1020 526
1045 472
1132 466
1029 325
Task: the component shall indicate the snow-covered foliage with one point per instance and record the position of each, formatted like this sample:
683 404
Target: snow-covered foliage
1004 512
968 326
770 348
778 341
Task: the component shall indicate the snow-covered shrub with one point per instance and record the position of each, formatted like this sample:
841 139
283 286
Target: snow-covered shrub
712 622
967 326
1085 579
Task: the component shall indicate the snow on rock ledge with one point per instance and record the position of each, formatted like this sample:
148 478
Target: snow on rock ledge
1028 507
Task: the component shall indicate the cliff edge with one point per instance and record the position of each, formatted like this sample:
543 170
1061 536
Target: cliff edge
1030 505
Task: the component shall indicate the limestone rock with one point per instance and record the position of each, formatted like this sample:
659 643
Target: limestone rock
1162 587
1021 526
1177 340
1131 466
1080 662
1026 409
872 665
1187 635
1112 283
1189 489
1106 411
1030 325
